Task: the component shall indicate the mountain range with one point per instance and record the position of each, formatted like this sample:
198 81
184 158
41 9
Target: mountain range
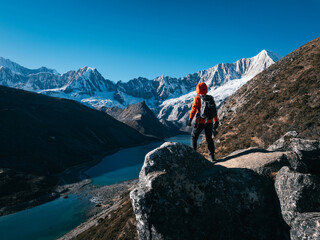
54 134
169 98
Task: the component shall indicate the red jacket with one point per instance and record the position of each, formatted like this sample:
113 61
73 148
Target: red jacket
196 105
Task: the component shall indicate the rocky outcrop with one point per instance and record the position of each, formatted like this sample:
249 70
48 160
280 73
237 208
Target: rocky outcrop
298 188
308 151
299 196
181 195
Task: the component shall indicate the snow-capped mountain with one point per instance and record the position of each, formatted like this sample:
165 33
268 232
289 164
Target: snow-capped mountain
16 68
16 76
86 81
222 80
170 98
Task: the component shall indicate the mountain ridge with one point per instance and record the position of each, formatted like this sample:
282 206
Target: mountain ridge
140 117
169 98
17 68
157 84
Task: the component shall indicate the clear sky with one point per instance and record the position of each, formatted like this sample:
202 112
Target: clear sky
148 38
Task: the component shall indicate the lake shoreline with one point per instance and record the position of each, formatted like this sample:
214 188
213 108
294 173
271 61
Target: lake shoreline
70 181
110 198
85 191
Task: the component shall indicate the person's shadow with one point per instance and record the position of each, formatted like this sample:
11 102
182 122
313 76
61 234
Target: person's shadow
242 153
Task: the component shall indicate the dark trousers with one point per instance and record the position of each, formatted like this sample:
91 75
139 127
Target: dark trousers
197 129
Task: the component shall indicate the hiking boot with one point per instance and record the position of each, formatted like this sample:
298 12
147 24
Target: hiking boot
212 159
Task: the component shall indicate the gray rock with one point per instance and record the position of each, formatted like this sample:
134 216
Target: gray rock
181 195
283 143
306 226
308 152
299 196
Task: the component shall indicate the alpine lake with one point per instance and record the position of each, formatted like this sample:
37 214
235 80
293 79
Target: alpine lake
53 219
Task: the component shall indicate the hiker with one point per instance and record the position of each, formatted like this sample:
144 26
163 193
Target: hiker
205 110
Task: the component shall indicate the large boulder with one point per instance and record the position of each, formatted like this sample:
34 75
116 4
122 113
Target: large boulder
299 196
308 151
283 143
181 195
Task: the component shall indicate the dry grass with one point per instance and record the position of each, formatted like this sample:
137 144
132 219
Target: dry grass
119 225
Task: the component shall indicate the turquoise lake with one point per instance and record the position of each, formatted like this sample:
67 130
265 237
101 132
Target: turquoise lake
53 219
126 164
47 221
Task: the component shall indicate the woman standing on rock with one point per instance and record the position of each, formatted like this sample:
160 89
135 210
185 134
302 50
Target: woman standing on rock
204 108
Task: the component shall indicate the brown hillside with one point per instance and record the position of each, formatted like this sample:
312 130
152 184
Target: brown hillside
284 97
120 224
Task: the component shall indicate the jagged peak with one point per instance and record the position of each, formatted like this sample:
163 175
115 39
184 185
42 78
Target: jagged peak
262 54
2 59
142 104
87 69
17 68
162 77
86 72
274 56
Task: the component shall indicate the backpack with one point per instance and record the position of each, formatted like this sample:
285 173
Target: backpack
208 108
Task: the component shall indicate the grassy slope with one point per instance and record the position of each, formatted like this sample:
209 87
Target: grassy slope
120 224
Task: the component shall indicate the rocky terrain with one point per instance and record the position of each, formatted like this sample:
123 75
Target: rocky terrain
181 195
41 136
253 193
284 97
141 118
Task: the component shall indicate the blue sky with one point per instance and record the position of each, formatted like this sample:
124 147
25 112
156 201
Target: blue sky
127 39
